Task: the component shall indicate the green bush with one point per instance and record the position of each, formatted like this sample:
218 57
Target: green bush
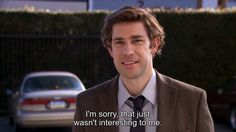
200 44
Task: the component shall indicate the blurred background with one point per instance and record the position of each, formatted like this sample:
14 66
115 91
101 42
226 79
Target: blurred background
64 35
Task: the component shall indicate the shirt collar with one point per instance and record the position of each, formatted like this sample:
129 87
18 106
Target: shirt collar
149 92
123 94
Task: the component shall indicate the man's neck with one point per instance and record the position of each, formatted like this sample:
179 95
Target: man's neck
137 85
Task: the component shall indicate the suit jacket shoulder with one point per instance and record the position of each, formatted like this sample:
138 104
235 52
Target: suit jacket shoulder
184 87
100 98
185 106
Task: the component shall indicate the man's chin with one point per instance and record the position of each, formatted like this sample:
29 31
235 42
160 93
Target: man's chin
129 76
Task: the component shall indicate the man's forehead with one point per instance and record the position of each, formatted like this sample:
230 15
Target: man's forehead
128 23
128 30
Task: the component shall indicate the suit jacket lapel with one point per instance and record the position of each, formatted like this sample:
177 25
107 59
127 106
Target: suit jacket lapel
109 103
167 97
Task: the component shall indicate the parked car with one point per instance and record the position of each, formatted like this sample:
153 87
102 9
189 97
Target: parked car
222 101
45 99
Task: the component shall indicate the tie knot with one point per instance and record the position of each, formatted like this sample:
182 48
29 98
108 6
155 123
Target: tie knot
138 102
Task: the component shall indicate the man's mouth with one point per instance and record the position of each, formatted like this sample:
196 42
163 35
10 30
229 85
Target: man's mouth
129 62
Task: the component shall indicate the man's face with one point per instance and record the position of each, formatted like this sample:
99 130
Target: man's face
130 49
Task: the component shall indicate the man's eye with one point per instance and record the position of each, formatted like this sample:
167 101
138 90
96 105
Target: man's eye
137 41
118 42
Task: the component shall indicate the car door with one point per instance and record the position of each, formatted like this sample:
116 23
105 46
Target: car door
223 99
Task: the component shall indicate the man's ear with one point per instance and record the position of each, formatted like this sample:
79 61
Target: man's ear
109 49
155 43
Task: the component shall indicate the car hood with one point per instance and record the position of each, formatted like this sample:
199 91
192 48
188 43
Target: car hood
52 93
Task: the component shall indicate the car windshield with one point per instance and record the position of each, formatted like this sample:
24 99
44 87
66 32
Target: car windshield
51 83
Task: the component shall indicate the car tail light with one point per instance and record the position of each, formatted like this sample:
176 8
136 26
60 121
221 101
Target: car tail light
34 101
34 104
70 100
44 104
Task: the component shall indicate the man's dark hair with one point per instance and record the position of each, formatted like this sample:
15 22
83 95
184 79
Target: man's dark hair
133 14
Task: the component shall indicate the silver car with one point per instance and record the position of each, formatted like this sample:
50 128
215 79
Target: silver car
45 99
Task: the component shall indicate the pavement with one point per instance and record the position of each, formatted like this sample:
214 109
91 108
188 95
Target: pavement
5 127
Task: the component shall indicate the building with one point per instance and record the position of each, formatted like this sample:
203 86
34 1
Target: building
84 5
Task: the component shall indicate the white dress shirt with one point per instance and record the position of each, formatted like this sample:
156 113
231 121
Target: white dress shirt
149 107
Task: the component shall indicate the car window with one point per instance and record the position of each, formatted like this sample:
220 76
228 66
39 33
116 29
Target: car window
51 83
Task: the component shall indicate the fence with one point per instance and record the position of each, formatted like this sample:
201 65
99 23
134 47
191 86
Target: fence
24 53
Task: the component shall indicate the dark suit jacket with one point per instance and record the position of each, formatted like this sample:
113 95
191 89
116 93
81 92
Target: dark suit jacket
181 107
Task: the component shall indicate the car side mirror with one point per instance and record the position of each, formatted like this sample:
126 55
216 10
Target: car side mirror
219 91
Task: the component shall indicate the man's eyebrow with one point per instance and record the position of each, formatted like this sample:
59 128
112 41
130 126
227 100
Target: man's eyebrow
118 38
137 36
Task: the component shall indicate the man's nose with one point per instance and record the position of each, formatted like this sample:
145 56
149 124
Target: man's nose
128 49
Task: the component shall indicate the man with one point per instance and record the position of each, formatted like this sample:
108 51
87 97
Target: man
144 99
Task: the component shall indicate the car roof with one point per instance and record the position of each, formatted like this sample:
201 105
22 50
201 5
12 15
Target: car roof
50 73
